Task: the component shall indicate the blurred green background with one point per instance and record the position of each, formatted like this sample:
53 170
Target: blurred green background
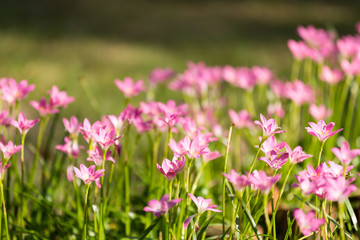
48 42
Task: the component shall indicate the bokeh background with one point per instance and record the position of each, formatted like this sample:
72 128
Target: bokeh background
90 43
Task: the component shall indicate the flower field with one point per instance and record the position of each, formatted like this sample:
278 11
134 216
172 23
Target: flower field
234 152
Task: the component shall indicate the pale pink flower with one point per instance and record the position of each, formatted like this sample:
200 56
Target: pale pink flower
331 76
202 206
345 154
278 88
3 168
9 149
13 91
161 207
240 182
245 78
277 109
338 189
43 108
271 145
351 68
129 88
348 46
118 122
105 138
297 155
5 119
336 170
321 130
241 119
263 75
307 222
159 75
71 148
193 148
70 173
314 37
299 92
89 130
59 98
88 175
209 156
298 49
261 181
319 112
229 74
171 168
23 124
73 126
275 161
96 156
269 127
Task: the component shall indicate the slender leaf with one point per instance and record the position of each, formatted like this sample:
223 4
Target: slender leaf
148 230
352 216
204 226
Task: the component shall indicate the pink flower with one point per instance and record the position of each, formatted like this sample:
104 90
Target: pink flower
240 182
338 189
9 149
105 138
307 222
22 124
96 156
351 68
320 112
171 168
263 75
193 148
299 92
269 127
71 148
177 148
298 49
5 120
314 37
117 121
274 160
72 126
43 108
331 76
70 173
241 119
129 88
209 156
161 207
202 206
277 109
89 130
261 181
344 154
348 46
59 98
159 75
88 175
13 91
297 155
321 130
271 145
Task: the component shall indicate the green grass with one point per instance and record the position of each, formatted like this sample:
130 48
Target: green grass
59 43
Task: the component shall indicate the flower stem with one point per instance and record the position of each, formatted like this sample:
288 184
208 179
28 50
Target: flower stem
266 213
22 184
4 209
320 152
279 199
257 154
85 212
341 218
224 179
102 201
193 228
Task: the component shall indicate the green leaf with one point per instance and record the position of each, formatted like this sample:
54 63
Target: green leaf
204 226
289 224
352 216
148 230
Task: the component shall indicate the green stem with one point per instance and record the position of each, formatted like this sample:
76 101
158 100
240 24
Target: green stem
295 69
127 199
224 179
102 201
193 228
196 181
170 189
266 213
43 123
22 184
279 198
257 154
320 152
4 209
341 217
85 212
